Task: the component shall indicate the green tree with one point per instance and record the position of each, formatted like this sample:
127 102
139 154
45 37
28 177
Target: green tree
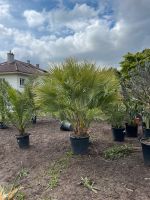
138 87
131 60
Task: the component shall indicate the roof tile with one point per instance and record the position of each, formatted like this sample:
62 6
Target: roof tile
19 66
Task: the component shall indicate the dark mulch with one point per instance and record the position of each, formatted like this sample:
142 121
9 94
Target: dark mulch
123 179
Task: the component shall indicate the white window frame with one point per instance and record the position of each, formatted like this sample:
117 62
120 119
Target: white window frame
22 82
2 79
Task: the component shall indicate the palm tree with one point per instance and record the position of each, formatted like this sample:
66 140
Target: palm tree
18 109
77 92
3 87
30 84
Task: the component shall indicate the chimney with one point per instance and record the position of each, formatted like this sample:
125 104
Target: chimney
37 65
10 57
28 61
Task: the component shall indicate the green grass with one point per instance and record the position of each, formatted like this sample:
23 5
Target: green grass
117 152
20 196
23 173
56 168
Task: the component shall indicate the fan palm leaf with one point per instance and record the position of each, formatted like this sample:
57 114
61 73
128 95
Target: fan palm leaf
77 92
19 109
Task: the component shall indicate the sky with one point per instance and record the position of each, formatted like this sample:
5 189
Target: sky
49 31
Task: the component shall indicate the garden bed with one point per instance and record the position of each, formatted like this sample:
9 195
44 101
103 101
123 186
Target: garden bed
125 178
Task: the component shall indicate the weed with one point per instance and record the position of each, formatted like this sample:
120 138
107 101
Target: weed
23 173
56 169
8 193
54 180
89 184
20 196
117 152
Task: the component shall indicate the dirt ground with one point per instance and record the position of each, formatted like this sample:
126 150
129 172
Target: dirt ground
123 179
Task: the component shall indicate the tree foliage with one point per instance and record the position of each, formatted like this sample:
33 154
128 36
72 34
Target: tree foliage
77 92
19 109
3 95
138 87
131 60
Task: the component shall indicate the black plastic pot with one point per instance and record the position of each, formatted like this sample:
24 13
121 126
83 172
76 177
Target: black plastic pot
66 126
118 134
147 132
131 130
34 120
79 144
23 141
146 151
3 126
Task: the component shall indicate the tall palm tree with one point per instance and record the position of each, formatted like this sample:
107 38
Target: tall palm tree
77 92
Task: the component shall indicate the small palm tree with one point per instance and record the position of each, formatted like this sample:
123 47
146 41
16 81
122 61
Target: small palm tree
3 95
116 115
77 92
19 110
30 84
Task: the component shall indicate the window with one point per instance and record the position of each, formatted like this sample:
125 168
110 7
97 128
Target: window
2 79
22 82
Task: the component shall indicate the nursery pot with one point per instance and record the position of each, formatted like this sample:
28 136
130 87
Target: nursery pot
3 126
23 141
147 132
66 126
131 130
79 144
34 120
146 150
118 134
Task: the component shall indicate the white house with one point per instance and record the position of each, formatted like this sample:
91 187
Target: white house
16 72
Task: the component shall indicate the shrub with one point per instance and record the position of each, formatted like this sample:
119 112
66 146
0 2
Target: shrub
77 92
117 152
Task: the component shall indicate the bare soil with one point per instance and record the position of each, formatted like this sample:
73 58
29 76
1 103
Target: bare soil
123 179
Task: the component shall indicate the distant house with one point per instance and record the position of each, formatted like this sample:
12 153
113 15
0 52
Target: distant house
17 72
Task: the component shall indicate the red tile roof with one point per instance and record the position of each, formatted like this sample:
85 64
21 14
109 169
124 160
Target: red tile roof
20 67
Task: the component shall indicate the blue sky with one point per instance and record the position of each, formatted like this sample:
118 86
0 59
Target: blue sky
48 31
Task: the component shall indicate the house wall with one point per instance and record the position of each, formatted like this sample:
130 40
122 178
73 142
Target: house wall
14 80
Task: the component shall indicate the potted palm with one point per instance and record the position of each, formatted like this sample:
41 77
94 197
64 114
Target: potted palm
133 117
131 124
116 117
77 92
132 108
19 113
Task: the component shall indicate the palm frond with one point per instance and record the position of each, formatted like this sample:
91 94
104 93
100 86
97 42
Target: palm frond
77 91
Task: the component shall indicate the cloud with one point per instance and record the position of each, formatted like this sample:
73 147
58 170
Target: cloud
34 18
76 19
5 32
82 31
4 9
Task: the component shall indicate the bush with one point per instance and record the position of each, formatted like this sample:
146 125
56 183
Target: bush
117 152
